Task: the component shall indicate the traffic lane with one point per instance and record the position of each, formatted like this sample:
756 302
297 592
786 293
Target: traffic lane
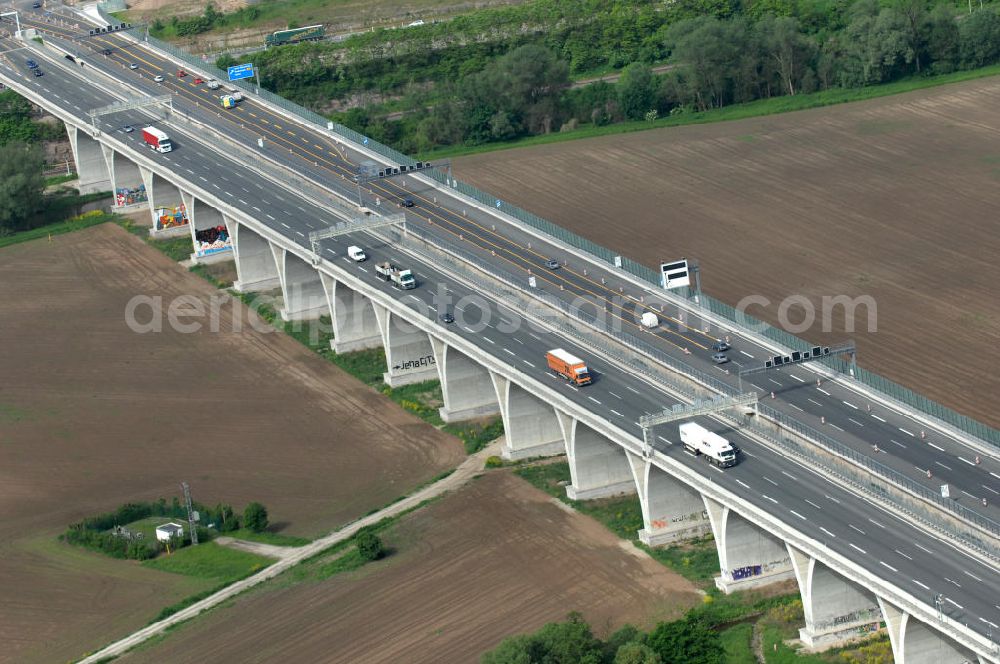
912 454
839 521
879 539
164 65
929 463
581 404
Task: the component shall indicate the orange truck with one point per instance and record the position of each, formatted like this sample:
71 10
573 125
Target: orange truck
568 366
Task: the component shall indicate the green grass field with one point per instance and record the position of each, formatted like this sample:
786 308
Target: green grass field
210 561
277 539
736 643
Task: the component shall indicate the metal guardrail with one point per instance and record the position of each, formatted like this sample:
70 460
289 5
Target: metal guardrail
858 475
644 273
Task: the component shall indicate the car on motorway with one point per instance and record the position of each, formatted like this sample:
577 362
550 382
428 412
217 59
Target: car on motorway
133 66
406 202
107 51
128 129
158 79
37 72
198 80
720 346
36 5
720 358
447 318
552 264
181 73
212 84
31 64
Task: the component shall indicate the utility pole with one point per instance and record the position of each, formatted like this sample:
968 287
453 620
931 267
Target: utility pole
190 511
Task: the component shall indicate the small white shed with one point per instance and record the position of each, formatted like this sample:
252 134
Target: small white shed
168 530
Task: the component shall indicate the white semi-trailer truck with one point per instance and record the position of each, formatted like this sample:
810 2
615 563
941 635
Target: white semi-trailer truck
699 440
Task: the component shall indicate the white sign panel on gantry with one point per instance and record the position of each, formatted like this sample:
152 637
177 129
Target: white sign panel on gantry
675 275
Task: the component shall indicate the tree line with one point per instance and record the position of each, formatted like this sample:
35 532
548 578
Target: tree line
505 73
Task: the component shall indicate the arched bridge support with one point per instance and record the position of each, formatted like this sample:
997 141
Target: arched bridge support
671 510
256 269
748 555
837 610
91 167
914 642
355 325
409 356
465 385
301 289
531 426
598 467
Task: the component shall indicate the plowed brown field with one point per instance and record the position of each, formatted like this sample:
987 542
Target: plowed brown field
895 198
496 558
93 415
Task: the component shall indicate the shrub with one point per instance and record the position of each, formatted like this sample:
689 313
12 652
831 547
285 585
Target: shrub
494 462
369 545
255 517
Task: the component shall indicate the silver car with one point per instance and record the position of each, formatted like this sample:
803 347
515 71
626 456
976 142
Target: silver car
720 358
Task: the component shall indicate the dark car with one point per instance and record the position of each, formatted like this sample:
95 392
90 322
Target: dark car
107 51
31 64
407 202
720 346
552 264
38 72
36 5
447 318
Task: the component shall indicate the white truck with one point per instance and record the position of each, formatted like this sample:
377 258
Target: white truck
399 277
699 440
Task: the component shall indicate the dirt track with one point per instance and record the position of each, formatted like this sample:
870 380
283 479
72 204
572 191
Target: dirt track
496 558
894 198
93 415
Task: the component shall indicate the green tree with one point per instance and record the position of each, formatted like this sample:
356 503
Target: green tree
636 90
943 39
980 38
569 642
526 85
914 13
636 653
876 46
788 52
686 641
713 51
255 517
369 545
21 185
15 119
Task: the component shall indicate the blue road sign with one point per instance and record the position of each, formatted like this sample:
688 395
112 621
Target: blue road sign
238 72
365 142
499 203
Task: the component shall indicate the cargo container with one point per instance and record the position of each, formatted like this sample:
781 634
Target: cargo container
568 366
156 139
700 441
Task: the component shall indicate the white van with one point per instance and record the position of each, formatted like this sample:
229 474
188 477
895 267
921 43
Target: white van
356 253
649 320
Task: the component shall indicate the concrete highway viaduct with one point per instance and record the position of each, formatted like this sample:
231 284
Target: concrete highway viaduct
761 537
